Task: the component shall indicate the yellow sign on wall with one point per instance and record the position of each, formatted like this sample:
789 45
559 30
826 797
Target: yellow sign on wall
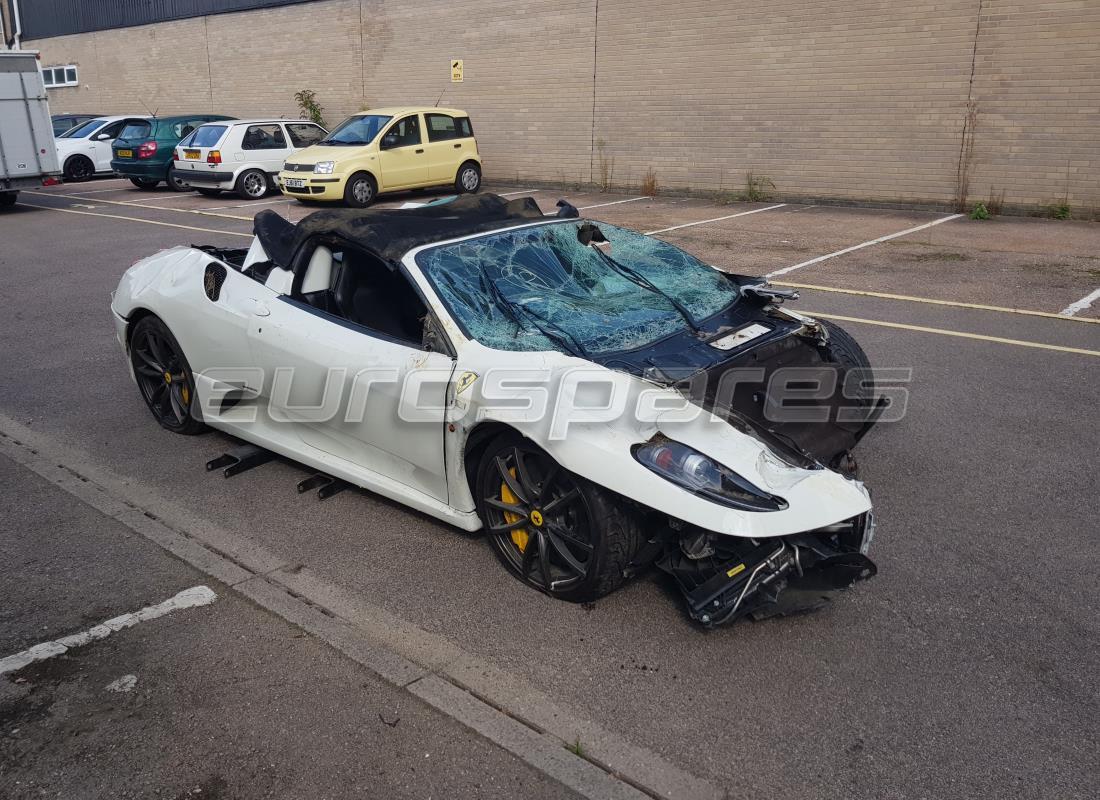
456 70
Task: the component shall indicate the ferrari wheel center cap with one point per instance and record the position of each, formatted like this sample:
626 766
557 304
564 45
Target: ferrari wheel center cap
167 377
536 518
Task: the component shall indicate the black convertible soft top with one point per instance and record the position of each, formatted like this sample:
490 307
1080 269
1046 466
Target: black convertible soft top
389 232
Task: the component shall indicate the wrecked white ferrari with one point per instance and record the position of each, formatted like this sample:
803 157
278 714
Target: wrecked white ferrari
593 400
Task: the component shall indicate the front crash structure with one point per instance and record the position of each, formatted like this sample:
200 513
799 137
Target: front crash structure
724 578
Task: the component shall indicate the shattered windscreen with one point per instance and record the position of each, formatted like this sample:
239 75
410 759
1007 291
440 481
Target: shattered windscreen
543 288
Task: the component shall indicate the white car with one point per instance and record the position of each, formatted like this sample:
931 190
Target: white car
591 399
241 156
85 150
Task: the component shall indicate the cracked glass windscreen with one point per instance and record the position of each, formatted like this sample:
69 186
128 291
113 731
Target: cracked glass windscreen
552 292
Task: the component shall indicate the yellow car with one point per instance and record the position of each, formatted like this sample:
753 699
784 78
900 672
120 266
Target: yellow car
386 150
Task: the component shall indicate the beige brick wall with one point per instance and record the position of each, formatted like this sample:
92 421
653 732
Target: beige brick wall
846 99
1037 89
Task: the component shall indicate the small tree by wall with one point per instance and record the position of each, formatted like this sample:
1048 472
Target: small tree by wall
310 108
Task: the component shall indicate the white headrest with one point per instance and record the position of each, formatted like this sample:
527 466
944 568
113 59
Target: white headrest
319 271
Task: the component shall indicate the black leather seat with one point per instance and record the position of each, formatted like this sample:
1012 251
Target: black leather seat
369 294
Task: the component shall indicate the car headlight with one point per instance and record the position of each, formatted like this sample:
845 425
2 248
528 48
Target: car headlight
703 476
324 167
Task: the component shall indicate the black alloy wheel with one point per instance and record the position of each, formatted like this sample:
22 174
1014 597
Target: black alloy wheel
164 376
79 169
553 530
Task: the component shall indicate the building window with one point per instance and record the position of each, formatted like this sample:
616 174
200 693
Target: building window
59 76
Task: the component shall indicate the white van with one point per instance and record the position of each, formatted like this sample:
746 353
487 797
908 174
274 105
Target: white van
240 155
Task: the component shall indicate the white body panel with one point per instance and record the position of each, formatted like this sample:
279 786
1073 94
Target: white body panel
263 144
254 325
94 143
27 153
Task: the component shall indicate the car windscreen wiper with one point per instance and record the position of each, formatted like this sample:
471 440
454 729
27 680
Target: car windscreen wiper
645 283
509 310
513 310
554 333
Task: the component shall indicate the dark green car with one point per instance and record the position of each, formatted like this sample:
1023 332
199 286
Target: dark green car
144 150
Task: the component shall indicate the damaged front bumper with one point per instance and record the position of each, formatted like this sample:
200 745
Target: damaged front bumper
725 578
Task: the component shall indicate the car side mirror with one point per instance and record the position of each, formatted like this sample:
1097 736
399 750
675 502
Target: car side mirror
101 137
390 140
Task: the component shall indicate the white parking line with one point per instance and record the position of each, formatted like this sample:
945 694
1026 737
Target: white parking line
716 219
614 203
160 198
147 221
1082 304
257 203
188 598
521 191
860 246
94 191
129 204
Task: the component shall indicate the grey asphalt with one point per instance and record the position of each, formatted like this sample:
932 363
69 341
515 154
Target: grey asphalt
965 669
230 702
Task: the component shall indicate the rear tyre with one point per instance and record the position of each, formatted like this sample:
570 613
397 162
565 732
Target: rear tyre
209 192
550 528
176 185
164 377
78 169
252 184
144 183
7 199
468 178
360 190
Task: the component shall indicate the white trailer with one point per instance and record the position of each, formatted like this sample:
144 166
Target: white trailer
28 154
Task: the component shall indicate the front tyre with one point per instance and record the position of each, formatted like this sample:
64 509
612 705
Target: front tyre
164 377
468 178
552 529
360 190
845 350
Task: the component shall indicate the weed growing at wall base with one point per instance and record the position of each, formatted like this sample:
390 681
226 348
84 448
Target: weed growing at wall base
756 187
1061 210
311 109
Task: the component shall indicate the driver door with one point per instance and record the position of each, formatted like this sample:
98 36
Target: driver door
403 163
336 384
101 142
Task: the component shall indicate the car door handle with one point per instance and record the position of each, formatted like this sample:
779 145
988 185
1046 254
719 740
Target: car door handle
458 145
259 308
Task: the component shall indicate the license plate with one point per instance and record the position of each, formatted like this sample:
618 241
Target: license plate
191 155
295 183
125 153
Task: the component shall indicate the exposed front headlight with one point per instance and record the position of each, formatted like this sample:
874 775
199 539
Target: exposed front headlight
701 475
323 167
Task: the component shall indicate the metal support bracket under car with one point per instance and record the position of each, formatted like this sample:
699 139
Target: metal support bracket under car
326 485
239 459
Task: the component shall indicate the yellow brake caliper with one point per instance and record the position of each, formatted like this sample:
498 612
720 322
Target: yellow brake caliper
519 535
